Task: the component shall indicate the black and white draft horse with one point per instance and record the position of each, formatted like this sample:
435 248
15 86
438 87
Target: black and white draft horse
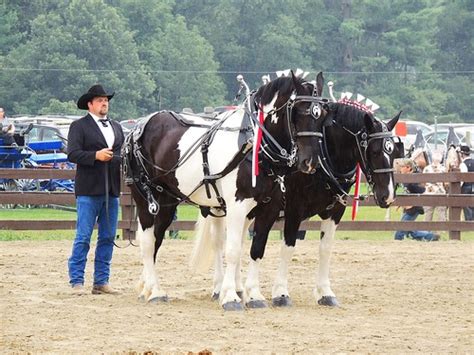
350 135
173 158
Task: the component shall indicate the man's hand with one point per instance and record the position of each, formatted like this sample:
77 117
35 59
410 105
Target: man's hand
105 154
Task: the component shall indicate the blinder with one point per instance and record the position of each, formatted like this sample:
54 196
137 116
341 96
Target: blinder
399 149
394 148
315 110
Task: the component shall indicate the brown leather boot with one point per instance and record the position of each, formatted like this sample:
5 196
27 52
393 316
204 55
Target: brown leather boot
78 289
104 289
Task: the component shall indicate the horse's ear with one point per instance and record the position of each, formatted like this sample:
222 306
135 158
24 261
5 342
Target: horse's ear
369 122
320 83
391 124
296 83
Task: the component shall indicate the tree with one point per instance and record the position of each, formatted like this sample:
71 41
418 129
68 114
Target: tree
70 49
180 61
455 31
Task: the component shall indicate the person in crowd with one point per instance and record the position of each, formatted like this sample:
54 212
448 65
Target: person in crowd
94 143
174 233
7 129
410 213
435 188
467 165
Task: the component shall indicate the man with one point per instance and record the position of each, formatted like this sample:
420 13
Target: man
94 145
410 213
467 165
7 129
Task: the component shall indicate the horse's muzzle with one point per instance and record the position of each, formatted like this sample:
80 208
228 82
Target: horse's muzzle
308 167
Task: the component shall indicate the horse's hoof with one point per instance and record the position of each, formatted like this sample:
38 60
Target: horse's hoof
330 301
159 299
256 304
282 301
240 294
233 306
141 298
215 296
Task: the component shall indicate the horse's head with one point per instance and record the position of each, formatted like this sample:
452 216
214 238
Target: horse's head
292 108
379 150
353 134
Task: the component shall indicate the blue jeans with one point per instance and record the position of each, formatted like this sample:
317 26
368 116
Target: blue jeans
417 235
468 211
92 209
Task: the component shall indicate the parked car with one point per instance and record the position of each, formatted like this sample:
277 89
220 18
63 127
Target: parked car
43 128
437 142
411 129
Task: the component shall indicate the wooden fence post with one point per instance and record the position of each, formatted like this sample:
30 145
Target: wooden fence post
454 212
128 214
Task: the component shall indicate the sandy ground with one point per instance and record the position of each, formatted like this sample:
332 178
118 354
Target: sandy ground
396 297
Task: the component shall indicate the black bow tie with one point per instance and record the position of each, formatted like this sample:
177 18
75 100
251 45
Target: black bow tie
104 122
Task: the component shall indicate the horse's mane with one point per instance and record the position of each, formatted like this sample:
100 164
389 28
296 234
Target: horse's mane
283 85
349 116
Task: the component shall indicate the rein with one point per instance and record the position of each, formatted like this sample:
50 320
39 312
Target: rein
363 140
276 153
145 184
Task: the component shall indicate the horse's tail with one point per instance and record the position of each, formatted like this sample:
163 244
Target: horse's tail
204 251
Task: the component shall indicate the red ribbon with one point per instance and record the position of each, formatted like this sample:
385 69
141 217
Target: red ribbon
355 201
258 142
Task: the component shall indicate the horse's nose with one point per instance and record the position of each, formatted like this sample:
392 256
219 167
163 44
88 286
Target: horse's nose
311 167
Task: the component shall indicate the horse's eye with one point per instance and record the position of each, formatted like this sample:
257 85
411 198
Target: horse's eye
376 153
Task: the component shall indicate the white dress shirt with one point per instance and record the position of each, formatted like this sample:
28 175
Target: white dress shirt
107 132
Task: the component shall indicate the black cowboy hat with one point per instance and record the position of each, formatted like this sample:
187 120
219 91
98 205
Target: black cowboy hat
94 91
464 149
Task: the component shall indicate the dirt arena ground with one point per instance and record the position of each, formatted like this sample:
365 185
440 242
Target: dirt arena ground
396 297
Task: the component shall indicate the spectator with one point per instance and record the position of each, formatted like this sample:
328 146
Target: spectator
435 188
174 233
7 129
467 165
410 213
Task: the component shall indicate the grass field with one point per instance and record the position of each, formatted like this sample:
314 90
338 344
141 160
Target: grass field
187 212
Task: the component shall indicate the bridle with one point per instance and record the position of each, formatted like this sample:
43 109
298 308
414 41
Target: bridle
363 140
270 147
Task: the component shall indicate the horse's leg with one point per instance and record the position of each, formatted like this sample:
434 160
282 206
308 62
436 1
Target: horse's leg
144 234
218 238
263 224
323 292
148 276
236 223
150 242
162 221
280 294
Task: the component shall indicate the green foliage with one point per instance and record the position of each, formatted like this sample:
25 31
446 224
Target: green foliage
415 55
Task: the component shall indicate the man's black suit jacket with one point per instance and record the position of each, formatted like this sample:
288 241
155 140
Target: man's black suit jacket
84 140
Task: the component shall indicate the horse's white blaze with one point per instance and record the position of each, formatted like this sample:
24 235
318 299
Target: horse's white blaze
280 285
390 187
323 285
269 107
150 280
